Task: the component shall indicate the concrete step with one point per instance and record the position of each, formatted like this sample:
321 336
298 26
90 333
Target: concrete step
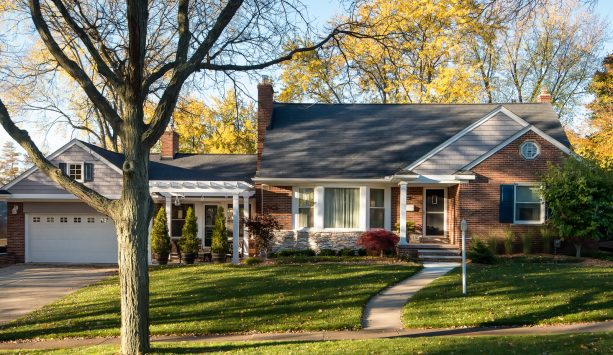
439 251
431 246
440 257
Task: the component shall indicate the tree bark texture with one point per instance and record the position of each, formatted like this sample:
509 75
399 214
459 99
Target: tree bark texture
132 214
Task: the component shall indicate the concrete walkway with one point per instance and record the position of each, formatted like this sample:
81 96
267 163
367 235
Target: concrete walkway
384 311
326 335
27 287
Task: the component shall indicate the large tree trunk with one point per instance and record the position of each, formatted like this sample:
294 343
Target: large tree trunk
133 212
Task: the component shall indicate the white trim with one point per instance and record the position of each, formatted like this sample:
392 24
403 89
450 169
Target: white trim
52 197
543 209
465 131
319 181
425 212
364 212
536 145
387 224
403 214
57 153
511 139
26 237
82 165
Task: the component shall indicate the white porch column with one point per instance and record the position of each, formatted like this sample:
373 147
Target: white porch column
245 229
235 228
403 213
168 208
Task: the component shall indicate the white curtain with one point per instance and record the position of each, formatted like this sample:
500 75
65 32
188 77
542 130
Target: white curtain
341 208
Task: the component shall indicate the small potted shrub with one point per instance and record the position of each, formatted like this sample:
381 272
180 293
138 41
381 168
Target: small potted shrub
219 242
160 240
262 228
189 242
378 241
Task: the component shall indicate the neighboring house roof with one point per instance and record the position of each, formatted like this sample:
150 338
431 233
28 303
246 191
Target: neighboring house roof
364 141
192 167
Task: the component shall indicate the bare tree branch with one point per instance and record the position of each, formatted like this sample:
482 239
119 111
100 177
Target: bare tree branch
71 66
91 197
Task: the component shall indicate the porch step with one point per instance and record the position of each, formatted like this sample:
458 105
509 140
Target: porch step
445 258
431 246
439 251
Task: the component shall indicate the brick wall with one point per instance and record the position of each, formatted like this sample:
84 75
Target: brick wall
16 231
277 202
479 200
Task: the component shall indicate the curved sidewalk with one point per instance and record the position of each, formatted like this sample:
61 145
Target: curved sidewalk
384 311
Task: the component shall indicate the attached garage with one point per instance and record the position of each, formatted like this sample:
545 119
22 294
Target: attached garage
70 238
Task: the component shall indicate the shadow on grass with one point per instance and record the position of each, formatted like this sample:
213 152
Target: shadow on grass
221 299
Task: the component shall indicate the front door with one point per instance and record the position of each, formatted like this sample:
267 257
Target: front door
434 206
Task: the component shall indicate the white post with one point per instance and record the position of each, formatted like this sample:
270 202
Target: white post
169 213
463 226
235 228
245 229
403 213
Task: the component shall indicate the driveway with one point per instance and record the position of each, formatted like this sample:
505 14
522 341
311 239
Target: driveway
25 288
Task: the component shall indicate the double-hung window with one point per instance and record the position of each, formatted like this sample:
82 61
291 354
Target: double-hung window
521 204
306 204
341 207
377 208
528 205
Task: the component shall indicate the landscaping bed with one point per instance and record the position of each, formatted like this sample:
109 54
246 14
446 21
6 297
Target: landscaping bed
538 344
210 299
514 292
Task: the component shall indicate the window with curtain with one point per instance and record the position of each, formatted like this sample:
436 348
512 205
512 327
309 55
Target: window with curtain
527 204
341 208
306 203
377 208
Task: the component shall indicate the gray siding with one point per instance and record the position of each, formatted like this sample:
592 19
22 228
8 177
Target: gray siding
58 207
471 146
107 181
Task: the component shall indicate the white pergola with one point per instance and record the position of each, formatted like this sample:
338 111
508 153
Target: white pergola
185 189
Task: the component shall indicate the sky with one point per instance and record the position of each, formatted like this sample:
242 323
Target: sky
320 11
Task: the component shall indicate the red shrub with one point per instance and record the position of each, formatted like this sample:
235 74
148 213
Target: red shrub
378 240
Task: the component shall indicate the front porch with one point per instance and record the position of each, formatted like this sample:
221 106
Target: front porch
428 212
205 197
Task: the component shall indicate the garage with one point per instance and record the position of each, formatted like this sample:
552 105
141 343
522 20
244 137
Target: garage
70 238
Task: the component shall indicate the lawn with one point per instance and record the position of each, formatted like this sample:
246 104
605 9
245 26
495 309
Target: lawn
542 344
515 293
210 299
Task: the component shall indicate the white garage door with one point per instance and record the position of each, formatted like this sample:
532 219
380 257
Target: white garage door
71 238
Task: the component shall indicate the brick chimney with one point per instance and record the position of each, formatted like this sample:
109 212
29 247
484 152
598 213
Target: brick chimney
544 97
170 142
265 95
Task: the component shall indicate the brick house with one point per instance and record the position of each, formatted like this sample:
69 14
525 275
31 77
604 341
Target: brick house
327 172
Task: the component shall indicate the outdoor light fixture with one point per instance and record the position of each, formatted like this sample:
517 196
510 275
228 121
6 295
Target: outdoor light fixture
177 201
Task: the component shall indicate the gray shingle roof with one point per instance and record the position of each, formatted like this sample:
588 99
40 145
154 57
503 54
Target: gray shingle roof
192 167
373 140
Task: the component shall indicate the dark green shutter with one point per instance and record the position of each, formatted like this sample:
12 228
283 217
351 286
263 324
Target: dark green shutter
507 195
62 167
89 172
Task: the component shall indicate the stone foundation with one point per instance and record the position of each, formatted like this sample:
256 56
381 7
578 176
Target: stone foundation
315 240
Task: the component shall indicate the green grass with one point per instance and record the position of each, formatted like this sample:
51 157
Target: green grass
535 344
514 293
209 299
